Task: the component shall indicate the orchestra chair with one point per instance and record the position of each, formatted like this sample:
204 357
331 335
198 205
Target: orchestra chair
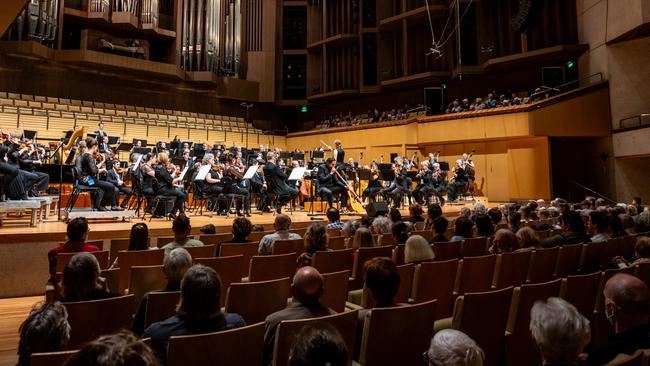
473 247
274 197
582 291
216 239
336 242
568 260
285 334
78 189
160 306
272 267
247 250
130 258
626 247
435 280
483 317
228 268
398 254
397 335
286 246
520 347
155 202
639 358
542 265
333 260
427 234
406 273
145 279
91 319
205 251
364 255
446 250
254 301
475 274
198 198
62 259
643 272
51 358
336 290
511 269
238 346
591 259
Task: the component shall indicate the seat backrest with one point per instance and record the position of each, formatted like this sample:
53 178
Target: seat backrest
512 269
591 259
286 246
639 358
50 358
112 277
542 265
248 250
626 246
398 254
446 250
239 346
145 279
582 291
132 258
609 273
610 251
228 268
483 317
364 255
272 267
520 347
333 260
568 260
160 306
345 322
386 239
90 319
118 245
475 274
406 273
427 234
216 239
254 301
435 280
336 242
205 251
162 240
336 290
62 259
473 247
333 232
258 235
384 341
643 272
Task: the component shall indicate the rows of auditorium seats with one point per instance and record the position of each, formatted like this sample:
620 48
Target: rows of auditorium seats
487 296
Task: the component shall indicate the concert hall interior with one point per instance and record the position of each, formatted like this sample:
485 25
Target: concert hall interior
324 182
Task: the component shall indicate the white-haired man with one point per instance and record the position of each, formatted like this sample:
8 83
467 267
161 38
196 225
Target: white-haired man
450 347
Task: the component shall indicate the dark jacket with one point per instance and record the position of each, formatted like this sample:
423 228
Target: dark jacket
569 237
276 179
325 179
626 342
112 177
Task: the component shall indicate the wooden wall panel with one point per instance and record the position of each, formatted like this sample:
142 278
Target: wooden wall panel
33 123
198 135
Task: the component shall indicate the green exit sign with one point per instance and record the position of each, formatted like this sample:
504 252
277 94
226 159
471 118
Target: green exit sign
304 108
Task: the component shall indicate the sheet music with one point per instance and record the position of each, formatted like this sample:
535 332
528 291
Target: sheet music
184 171
250 172
137 163
203 172
297 173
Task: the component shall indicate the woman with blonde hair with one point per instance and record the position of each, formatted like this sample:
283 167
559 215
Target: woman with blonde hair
527 239
418 250
362 239
165 175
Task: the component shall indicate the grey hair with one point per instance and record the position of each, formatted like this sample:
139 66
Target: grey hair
207 157
176 264
381 225
479 208
450 347
350 228
560 331
464 212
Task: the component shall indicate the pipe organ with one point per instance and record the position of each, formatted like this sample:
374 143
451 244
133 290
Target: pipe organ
38 21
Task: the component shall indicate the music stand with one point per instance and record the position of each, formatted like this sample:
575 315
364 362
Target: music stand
142 150
179 162
385 166
285 155
29 135
250 172
112 140
387 175
298 156
143 142
444 165
411 174
203 172
364 174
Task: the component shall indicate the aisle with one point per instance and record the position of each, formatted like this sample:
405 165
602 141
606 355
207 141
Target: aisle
12 313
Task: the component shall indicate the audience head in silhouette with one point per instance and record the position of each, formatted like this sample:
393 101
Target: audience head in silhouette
318 344
241 228
139 237
307 286
382 280
504 241
200 289
627 302
450 347
46 329
175 266
81 280
118 349
77 230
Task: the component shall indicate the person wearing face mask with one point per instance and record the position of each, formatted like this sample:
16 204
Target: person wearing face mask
627 307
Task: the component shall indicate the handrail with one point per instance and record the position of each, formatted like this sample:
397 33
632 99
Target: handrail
591 190
641 120
561 86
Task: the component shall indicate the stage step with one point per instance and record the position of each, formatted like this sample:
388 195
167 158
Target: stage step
125 215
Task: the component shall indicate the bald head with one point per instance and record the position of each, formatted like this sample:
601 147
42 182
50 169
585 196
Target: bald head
307 285
282 222
627 301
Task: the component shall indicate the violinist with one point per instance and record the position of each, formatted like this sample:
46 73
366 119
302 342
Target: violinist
439 182
398 187
329 184
276 181
12 181
232 179
211 185
424 186
148 174
113 177
27 158
166 184
88 172
459 181
258 187
374 184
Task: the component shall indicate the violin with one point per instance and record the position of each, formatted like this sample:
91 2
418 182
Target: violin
217 167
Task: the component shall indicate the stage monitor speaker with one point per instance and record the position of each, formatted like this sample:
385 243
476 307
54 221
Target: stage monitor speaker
375 209
529 13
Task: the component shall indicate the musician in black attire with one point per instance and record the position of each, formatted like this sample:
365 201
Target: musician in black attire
276 182
460 182
166 185
339 155
398 187
33 180
114 178
374 184
424 186
104 148
12 180
232 178
89 176
100 133
329 183
258 187
439 177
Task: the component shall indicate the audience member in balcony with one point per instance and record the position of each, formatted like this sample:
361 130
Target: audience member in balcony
307 289
318 344
433 212
175 265
138 240
440 226
77 232
182 229
241 229
627 307
282 224
495 215
527 239
362 239
198 311
316 239
505 241
573 231
641 252
597 226
450 347
417 250
463 229
46 329
560 331
81 280
484 225
120 348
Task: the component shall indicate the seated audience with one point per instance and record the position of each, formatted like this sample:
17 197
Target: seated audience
418 250
574 231
527 239
118 349
394 215
208 229
77 231
81 280
415 213
241 229
616 226
334 219
318 344
307 288
638 204
597 226
514 221
281 225
495 215
450 347
627 307
642 222
400 231
484 225
433 212
46 329
504 241
440 226
362 239
641 252
350 227
182 229
138 240
175 265
559 330
198 311
463 229
381 225
257 228
316 239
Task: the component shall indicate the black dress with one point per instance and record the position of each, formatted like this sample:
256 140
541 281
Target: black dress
166 187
